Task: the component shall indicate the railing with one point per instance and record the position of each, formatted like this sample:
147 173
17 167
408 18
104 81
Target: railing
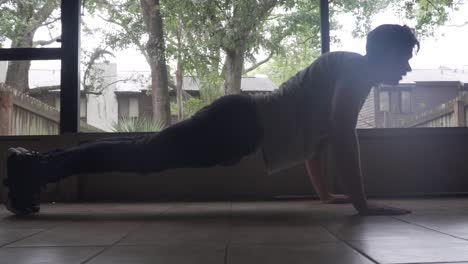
21 114
451 114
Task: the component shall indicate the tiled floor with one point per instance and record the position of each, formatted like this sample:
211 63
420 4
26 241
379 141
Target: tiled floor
237 232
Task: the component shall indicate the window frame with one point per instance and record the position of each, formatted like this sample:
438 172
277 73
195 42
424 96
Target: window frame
69 55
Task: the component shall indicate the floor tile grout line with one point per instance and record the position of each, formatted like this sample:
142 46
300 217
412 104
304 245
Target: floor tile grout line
26 237
228 240
425 227
230 225
350 245
226 252
123 237
443 262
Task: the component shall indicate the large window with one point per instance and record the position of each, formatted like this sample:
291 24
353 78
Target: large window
119 56
434 93
28 101
30 24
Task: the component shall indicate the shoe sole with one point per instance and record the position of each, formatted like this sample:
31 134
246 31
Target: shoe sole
6 193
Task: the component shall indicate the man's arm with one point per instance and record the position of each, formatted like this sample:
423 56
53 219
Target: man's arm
318 180
346 106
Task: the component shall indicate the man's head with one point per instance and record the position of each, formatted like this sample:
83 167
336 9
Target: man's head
389 48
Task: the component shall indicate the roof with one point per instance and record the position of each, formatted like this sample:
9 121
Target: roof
436 75
141 81
137 81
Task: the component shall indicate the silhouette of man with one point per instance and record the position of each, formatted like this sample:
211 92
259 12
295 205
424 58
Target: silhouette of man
320 103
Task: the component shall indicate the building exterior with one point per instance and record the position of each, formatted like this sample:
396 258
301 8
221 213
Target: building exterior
127 95
418 92
98 110
135 100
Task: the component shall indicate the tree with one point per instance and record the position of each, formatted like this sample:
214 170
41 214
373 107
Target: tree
300 50
139 24
232 26
155 48
427 14
219 40
19 22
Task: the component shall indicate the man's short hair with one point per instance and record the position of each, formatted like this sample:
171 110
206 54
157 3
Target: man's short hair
389 36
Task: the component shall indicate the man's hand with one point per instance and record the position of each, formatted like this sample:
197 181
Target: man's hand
375 210
336 199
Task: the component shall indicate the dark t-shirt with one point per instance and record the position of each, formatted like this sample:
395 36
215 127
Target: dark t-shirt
296 117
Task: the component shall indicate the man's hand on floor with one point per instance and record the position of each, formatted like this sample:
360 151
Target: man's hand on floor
336 199
377 209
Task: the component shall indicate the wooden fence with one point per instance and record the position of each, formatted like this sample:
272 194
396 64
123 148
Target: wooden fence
21 114
451 114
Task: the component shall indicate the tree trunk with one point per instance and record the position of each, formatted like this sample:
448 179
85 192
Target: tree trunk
156 52
234 65
17 75
179 85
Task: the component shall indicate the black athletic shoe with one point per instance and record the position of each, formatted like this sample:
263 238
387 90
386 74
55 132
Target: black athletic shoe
23 182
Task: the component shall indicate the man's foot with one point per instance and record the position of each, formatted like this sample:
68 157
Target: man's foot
23 182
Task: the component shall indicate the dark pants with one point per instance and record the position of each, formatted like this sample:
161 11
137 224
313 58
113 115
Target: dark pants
219 134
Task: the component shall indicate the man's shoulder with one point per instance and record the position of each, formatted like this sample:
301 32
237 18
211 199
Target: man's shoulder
341 56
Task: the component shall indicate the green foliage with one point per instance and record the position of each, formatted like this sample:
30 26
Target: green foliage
425 14
140 124
282 67
190 106
429 13
21 18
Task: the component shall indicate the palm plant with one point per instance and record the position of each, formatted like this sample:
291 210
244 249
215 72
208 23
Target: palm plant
136 124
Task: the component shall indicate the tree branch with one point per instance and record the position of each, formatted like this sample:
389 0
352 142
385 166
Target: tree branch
438 9
43 13
42 89
136 42
55 19
253 67
45 42
461 25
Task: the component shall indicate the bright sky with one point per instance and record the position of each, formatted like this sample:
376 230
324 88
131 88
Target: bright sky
447 48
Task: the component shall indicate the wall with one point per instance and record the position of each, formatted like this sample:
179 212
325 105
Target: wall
103 109
25 115
424 96
429 96
367 115
395 162
3 70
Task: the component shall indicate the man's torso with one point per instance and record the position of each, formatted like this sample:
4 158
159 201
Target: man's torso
296 117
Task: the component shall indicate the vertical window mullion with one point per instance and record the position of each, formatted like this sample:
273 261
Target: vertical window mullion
70 73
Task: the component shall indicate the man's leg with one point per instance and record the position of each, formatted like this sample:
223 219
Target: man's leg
221 133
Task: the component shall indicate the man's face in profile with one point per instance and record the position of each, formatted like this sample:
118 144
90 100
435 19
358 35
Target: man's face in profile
392 66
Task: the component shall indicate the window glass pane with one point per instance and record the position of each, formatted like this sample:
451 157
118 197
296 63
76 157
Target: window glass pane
395 102
405 101
29 94
29 23
117 66
133 107
83 107
384 101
